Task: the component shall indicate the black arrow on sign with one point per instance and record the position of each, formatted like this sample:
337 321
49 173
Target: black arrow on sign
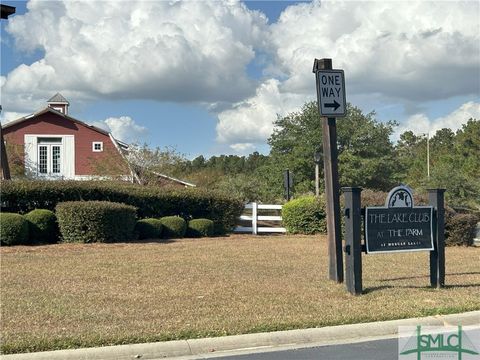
333 105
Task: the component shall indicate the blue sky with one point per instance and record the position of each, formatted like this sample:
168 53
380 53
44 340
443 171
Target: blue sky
210 77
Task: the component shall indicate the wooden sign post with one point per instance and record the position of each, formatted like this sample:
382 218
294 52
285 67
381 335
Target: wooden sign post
399 226
437 255
353 240
331 103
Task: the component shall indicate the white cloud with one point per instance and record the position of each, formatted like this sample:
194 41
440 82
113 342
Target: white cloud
415 51
198 51
123 128
178 51
8 116
242 147
393 51
251 121
421 124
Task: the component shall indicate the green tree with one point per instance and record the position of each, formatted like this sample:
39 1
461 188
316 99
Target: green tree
457 166
365 153
198 163
411 152
454 162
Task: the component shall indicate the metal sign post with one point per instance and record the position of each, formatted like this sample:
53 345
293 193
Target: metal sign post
331 102
288 184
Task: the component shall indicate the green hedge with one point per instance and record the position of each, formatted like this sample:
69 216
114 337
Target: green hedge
149 228
459 228
174 227
305 215
152 202
43 226
96 221
13 229
200 228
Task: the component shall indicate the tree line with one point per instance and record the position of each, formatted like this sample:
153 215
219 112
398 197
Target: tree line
367 157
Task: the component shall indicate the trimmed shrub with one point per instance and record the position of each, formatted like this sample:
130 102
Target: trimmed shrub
43 226
173 227
377 198
200 228
459 228
13 229
305 215
96 221
149 228
152 202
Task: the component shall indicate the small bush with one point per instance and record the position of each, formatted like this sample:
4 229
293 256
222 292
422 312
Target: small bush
378 198
173 227
43 226
459 228
305 215
200 228
96 221
149 228
13 229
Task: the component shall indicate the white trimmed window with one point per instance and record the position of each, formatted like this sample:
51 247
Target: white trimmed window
97 146
49 156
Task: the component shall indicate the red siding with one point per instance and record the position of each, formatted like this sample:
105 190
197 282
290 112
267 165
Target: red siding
52 124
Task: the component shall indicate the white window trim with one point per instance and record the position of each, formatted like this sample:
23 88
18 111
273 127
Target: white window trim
49 159
95 143
68 153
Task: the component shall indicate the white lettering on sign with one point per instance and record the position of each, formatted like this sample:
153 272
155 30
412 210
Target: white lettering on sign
331 93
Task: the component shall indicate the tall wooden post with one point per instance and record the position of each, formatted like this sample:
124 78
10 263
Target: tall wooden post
353 241
437 255
3 156
6 11
287 182
330 161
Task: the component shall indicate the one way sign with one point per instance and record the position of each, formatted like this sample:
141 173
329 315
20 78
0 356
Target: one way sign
331 93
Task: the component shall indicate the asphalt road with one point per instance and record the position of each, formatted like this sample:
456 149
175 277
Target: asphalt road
386 349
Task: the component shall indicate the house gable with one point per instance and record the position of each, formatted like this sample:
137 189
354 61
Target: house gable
77 149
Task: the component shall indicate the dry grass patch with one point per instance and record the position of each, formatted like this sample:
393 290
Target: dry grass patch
75 295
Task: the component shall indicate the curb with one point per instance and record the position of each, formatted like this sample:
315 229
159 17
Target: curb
299 338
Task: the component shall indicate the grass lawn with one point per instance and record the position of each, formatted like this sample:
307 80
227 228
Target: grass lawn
79 295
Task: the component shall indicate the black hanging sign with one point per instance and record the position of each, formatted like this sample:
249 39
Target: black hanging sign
399 226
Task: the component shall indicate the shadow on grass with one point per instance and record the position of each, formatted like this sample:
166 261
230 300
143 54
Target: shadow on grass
460 286
150 241
428 276
383 287
424 287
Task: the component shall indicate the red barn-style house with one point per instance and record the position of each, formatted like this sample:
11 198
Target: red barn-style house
50 144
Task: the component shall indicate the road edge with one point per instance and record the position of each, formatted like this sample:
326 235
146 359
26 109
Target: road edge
299 338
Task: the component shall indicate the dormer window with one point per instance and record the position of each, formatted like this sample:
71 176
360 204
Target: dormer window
97 146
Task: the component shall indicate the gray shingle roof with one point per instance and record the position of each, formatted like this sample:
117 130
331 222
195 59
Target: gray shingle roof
58 98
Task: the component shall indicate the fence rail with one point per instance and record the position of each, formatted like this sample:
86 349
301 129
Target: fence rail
255 218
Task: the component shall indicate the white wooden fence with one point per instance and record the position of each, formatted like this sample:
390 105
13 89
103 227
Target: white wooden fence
255 218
